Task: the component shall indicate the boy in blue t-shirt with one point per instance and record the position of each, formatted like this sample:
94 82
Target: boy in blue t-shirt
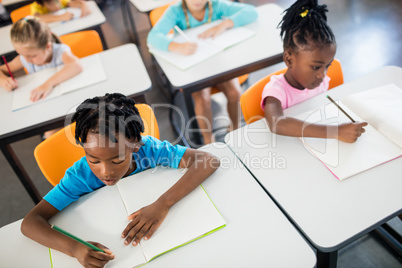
109 130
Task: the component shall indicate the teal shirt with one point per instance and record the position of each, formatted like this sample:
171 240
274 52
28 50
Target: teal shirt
241 14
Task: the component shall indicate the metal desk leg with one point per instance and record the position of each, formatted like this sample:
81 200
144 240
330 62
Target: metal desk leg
327 259
125 6
191 115
21 173
102 37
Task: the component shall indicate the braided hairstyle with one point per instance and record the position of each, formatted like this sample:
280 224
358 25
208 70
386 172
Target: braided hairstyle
108 115
304 24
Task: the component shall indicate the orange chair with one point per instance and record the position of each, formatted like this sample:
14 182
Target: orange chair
251 98
60 151
157 13
83 43
20 13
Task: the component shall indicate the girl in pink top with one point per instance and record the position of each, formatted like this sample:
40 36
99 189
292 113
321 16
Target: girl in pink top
309 49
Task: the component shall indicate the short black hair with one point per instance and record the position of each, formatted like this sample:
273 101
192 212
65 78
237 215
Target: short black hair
304 23
108 115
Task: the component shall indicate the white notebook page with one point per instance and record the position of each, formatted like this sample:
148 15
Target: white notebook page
347 159
382 108
193 216
99 217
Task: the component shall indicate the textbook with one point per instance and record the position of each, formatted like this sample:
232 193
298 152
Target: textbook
93 72
102 216
381 108
206 48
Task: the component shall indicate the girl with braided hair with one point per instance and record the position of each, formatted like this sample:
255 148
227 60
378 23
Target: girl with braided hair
39 49
309 49
192 13
109 129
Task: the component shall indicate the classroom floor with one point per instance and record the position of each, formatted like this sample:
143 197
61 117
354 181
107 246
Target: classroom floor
368 35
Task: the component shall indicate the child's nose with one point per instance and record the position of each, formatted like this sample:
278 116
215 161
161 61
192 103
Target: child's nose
106 170
322 74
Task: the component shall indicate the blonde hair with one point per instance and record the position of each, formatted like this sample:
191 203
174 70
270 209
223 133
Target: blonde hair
32 32
185 9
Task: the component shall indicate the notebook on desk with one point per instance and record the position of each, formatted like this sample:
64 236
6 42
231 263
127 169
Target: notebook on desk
206 48
102 216
381 108
73 10
93 72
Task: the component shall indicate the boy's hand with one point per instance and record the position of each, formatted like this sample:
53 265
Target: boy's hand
351 131
66 16
40 92
144 222
8 83
216 30
91 258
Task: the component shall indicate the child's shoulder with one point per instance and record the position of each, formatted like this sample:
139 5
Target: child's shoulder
38 9
277 81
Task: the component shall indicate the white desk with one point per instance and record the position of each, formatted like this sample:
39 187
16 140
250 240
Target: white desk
18 251
92 21
257 234
330 213
11 2
261 50
146 6
128 77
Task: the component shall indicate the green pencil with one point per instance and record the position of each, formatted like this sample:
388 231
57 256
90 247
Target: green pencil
76 238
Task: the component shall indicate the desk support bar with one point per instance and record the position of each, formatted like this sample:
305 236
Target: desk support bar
20 172
327 259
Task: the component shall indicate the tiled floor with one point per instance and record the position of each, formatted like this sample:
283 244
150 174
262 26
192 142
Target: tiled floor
369 36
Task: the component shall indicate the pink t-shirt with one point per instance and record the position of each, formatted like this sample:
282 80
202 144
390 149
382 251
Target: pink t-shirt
279 88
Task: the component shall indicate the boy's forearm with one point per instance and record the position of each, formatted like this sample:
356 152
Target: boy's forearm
201 168
36 227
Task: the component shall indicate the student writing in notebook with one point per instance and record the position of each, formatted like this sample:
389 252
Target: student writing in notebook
192 13
309 48
109 129
38 49
47 10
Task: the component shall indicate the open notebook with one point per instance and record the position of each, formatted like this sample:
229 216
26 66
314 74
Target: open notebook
73 10
102 216
206 48
381 108
92 73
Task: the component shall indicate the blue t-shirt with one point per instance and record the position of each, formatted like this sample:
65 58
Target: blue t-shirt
240 13
57 59
80 180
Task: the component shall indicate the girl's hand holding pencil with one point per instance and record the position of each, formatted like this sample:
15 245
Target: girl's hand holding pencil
187 48
8 83
350 132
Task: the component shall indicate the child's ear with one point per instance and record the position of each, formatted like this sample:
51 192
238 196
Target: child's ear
49 45
288 58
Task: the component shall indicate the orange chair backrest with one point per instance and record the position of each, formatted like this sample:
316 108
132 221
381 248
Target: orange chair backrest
157 13
83 43
60 151
20 13
251 98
